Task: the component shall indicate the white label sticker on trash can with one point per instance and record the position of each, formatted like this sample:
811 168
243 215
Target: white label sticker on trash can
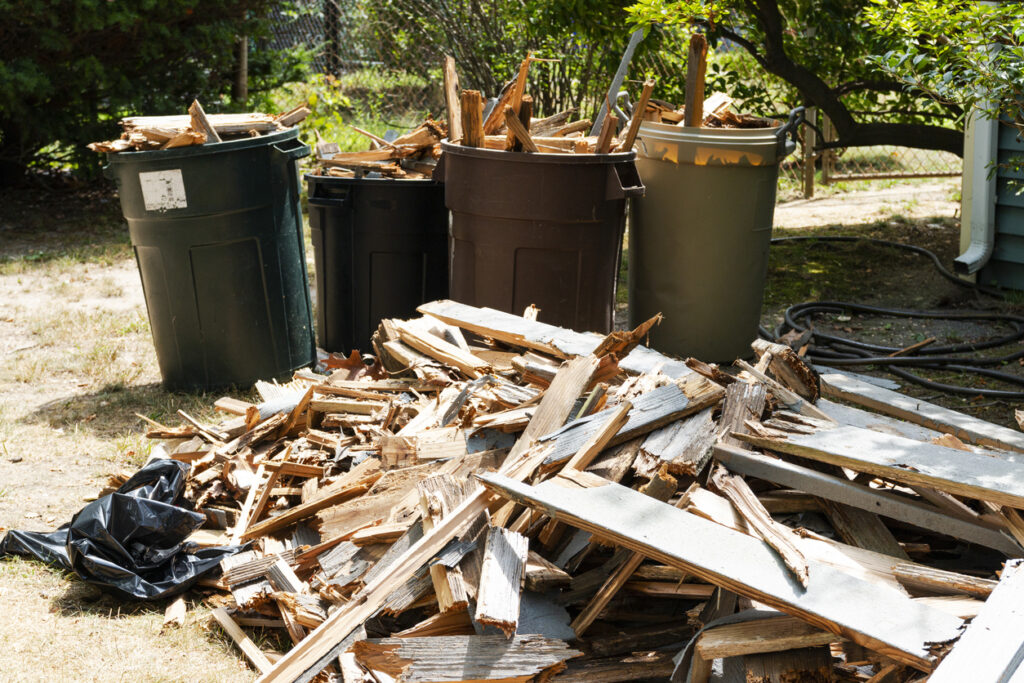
163 190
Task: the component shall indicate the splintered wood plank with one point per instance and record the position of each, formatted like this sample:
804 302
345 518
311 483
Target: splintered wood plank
451 100
354 483
556 341
880 502
780 537
684 446
649 411
806 665
439 495
743 401
964 427
774 634
943 582
863 529
472 108
541 575
441 350
991 650
878 617
201 123
462 658
975 475
244 642
456 623
696 66
501 575
614 420
635 666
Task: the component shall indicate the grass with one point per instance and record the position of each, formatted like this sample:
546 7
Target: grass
112 639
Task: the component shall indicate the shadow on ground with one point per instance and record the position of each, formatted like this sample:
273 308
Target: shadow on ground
111 411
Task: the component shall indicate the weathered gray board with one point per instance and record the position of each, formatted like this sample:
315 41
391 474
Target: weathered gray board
992 648
519 331
974 475
883 503
650 410
964 427
878 617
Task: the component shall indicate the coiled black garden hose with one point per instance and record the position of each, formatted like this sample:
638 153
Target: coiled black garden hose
828 349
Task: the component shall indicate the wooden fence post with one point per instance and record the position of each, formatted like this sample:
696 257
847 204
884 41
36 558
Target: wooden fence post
810 136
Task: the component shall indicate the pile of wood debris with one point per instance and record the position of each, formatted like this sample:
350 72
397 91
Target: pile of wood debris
409 156
145 133
510 125
497 499
717 113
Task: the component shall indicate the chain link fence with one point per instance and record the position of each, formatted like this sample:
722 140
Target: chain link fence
807 169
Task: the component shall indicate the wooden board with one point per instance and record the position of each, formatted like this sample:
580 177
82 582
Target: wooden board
880 502
964 427
462 658
684 446
875 616
650 410
959 472
556 341
992 648
774 634
501 576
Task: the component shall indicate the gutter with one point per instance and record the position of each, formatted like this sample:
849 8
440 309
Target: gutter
984 153
983 195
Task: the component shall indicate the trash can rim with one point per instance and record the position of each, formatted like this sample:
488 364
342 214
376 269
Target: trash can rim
199 150
708 133
537 157
308 177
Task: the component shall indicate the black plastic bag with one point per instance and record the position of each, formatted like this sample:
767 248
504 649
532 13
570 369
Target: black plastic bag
131 542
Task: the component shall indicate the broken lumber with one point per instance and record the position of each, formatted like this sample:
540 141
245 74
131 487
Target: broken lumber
832 600
501 574
987 477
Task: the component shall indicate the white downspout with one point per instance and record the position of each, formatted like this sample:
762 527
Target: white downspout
984 153
983 195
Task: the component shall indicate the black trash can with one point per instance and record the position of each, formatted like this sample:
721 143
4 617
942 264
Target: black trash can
217 233
542 229
380 246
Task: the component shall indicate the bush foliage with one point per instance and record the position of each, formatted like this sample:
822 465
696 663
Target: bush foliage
70 69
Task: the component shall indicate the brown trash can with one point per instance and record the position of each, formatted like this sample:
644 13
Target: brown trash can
542 229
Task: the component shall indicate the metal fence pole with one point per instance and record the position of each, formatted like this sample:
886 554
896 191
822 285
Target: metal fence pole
332 35
811 117
828 156
240 86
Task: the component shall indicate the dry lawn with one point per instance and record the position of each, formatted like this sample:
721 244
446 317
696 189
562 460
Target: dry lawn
77 364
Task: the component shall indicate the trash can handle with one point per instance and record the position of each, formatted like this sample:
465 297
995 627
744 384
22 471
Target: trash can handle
329 201
789 128
297 150
318 196
437 175
624 181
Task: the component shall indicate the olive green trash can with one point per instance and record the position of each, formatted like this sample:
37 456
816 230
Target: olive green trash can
699 238
217 234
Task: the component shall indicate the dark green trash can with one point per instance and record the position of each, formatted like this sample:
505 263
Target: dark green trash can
380 246
217 234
